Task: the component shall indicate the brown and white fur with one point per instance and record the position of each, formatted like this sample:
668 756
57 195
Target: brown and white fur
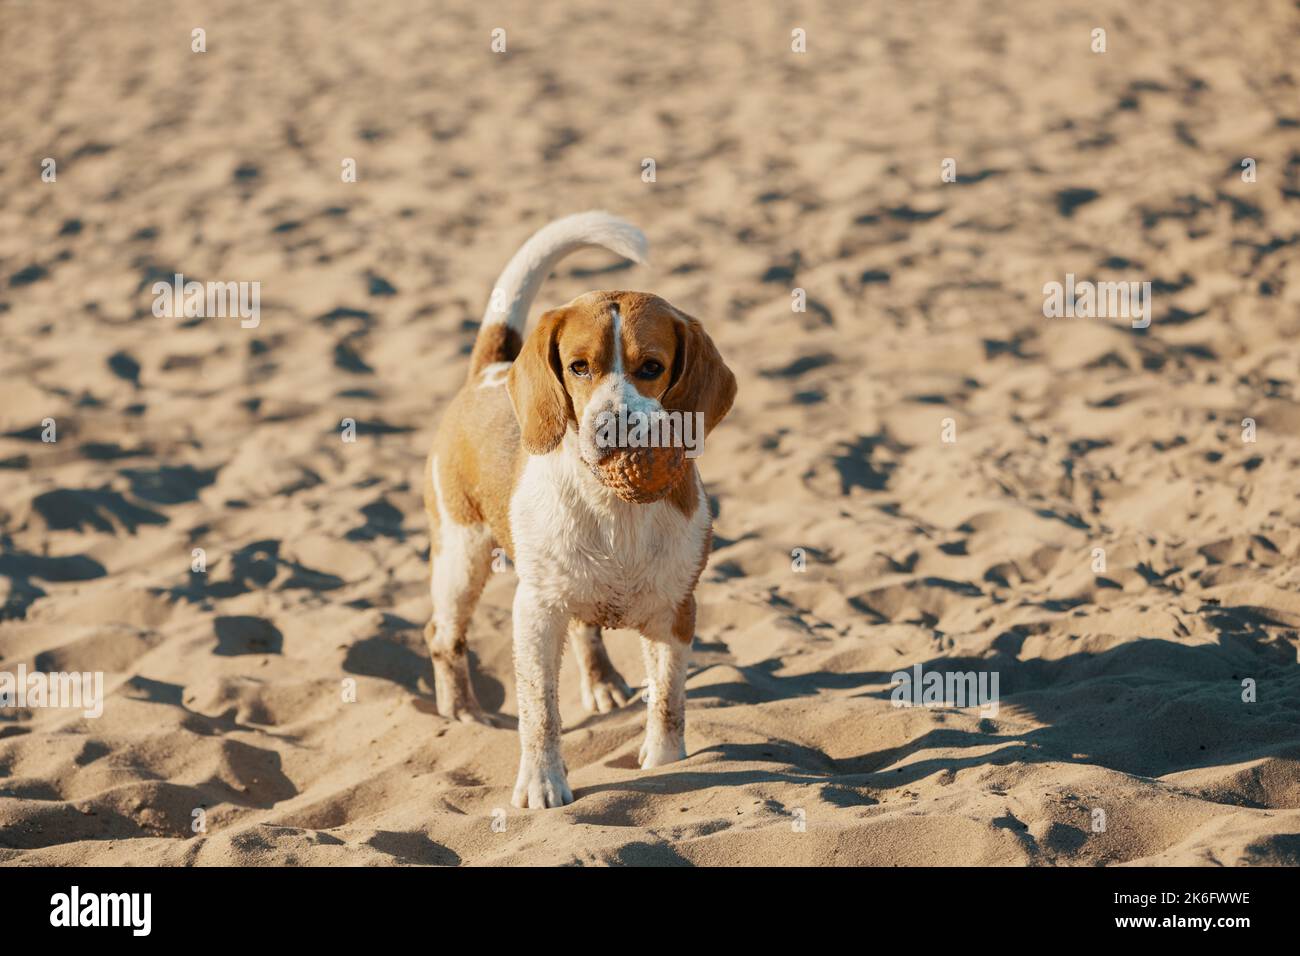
511 467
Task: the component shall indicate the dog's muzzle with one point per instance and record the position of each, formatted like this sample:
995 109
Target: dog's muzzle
638 465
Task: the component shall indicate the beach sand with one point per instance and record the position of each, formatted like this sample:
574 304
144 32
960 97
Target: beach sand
851 540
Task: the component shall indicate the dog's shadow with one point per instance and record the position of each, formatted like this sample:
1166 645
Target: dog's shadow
398 654
1147 708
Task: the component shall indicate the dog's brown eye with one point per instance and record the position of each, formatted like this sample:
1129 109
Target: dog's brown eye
650 369
579 368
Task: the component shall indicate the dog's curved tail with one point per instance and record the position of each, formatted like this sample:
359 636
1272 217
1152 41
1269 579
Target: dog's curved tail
501 333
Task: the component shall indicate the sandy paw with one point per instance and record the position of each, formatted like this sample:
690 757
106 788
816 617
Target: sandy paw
472 715
656 753
602 693
541 785
466 710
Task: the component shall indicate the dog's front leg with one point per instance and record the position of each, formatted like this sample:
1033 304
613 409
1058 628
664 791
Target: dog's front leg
665 729
539 643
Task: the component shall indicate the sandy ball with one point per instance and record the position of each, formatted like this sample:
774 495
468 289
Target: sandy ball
641 475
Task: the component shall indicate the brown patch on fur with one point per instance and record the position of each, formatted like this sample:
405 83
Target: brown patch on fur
684 620
452 654
606 615
701 381
648 333
685 495
479 458
495 343
581 331
431 507
536 388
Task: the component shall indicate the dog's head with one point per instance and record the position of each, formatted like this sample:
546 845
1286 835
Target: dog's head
639 381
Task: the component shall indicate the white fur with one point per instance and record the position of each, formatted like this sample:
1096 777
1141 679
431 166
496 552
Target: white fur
579 544
494 375
617 318
665 668
461 562
518 283
581 551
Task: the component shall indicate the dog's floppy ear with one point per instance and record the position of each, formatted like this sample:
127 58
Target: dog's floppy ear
700 382
536 389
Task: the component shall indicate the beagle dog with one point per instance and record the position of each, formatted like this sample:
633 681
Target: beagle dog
517 463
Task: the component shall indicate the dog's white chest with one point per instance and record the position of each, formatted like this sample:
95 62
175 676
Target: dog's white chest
613 563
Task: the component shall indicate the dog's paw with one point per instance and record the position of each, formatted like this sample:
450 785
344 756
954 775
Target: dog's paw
472 715
604 691
656 753
541 784
465 711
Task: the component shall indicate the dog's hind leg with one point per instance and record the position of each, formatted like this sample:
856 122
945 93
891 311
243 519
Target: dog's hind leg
666 655
603 687
460 559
